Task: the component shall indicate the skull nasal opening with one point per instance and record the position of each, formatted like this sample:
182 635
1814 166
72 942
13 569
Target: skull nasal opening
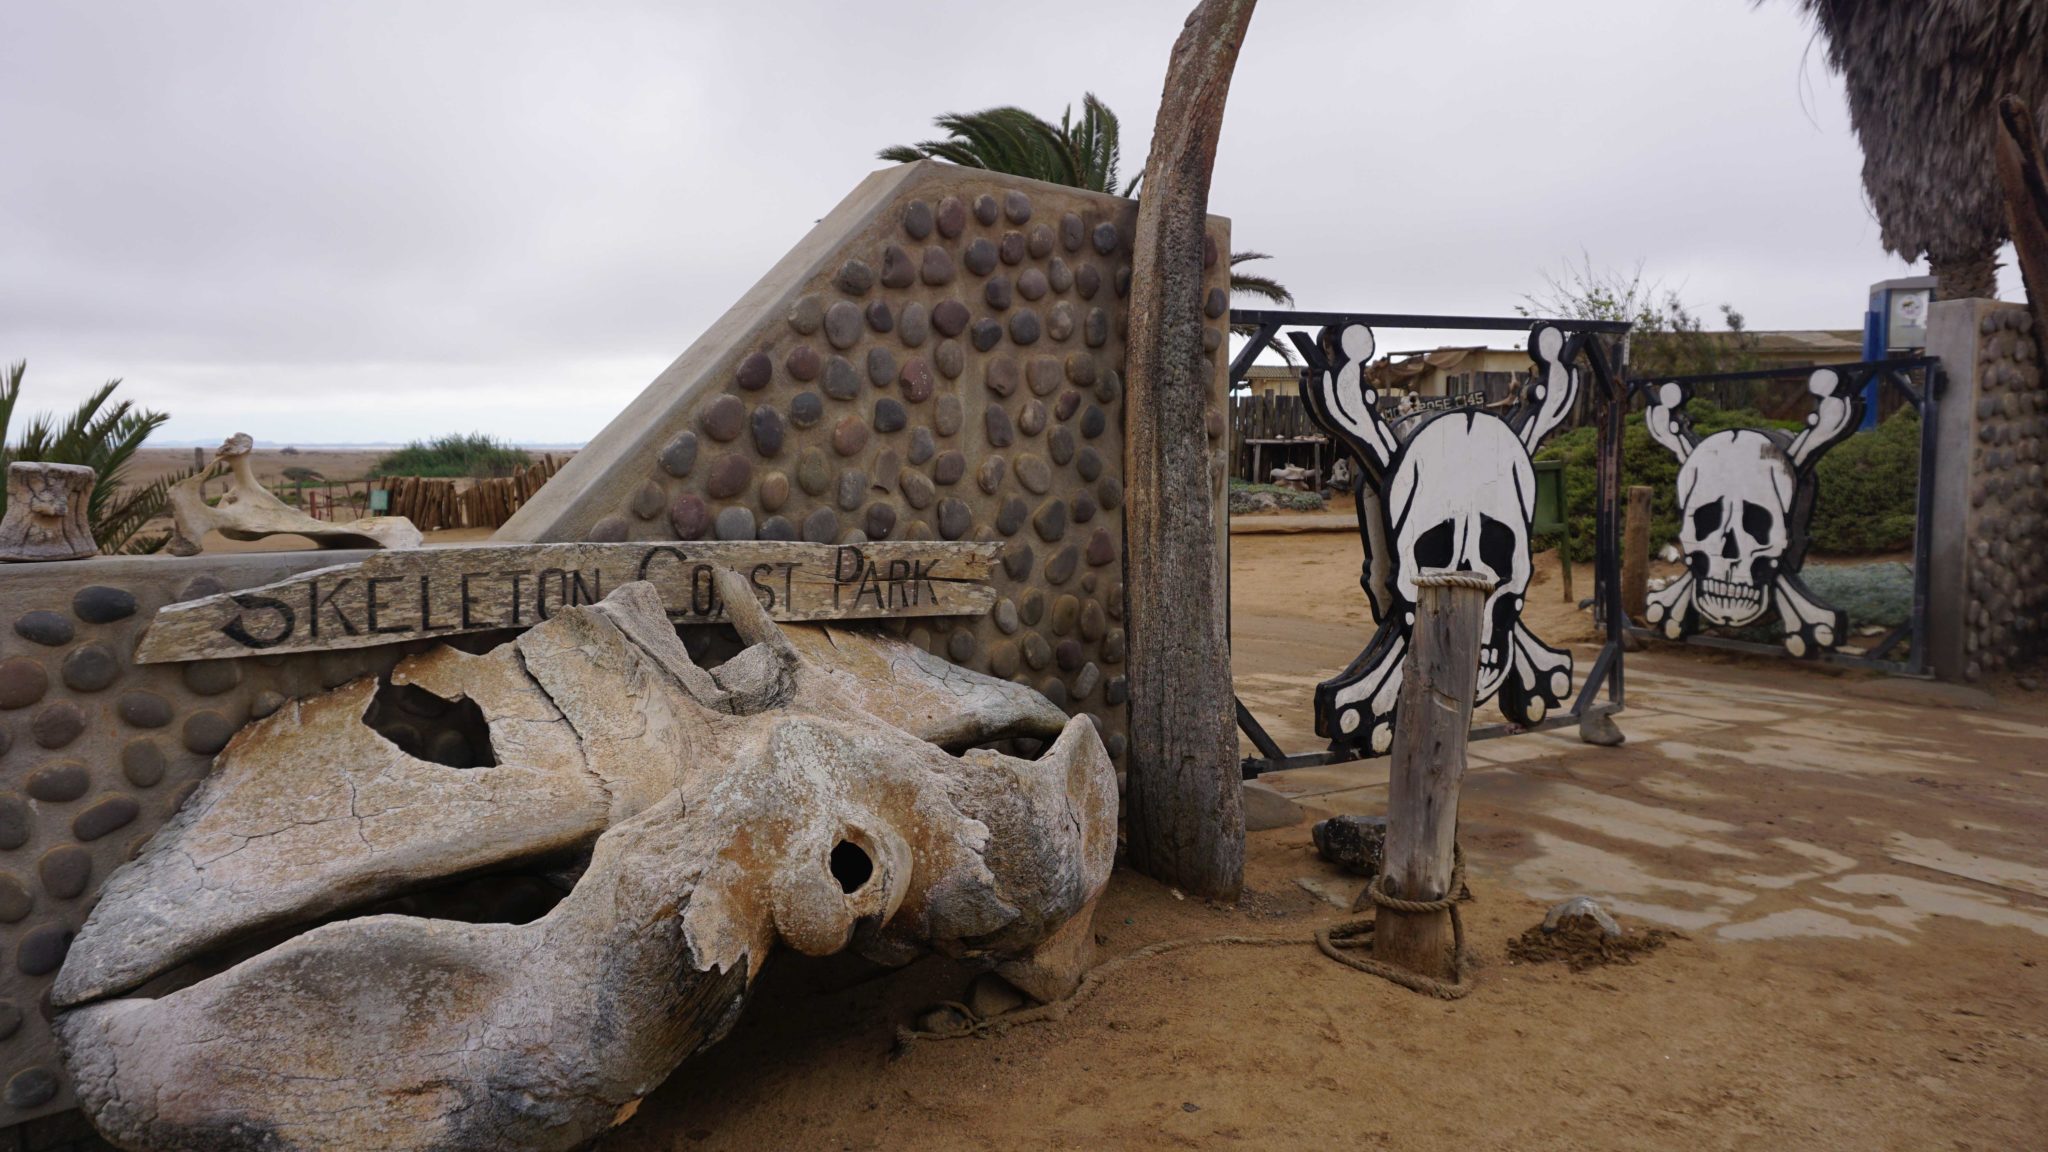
851 866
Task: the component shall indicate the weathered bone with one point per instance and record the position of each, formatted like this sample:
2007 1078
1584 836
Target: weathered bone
715 803
249 512
46 512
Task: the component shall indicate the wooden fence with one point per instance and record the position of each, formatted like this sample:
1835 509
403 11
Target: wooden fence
435 503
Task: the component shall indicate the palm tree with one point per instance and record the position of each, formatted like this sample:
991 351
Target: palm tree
1923 81
1079 155
103 440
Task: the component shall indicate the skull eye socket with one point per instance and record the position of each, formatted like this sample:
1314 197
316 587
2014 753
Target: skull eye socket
1706 520
1497 547
1434 548
1757 521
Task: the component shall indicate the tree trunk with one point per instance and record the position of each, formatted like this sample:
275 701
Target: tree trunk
1428 763
2023 171
1635 553
1965 275
1186 819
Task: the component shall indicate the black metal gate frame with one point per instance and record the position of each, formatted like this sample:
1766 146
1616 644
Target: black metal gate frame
1611 393
1894 373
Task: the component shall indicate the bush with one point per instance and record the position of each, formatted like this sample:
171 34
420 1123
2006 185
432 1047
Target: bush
1246 498
1869 489
473 454
1868 484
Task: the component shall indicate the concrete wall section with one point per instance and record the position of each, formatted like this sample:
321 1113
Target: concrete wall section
1988 581
941 358
97 752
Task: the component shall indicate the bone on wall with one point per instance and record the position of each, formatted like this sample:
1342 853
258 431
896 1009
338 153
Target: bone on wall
941 358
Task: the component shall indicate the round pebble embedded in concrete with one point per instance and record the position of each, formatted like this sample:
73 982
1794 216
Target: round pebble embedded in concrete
142 762
65 871
16 902
106 816
32 1087
734 523
46 628
40 953
99 604
680 456
724 419
22 682
207 732
16 821
57 725
90 668
143 709
689 517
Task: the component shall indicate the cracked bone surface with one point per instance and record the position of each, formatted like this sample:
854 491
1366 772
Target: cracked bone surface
249 512
798 793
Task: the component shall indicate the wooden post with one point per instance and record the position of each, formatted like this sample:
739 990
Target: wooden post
1438 681
1635 553
1183 802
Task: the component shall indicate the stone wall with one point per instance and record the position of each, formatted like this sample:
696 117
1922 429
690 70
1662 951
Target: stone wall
1988 597
942 358
97 752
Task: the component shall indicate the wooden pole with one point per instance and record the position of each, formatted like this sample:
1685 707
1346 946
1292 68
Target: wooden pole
1183 802
1635 553
1431 722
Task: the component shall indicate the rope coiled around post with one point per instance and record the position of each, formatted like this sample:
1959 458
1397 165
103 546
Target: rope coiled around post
1356 934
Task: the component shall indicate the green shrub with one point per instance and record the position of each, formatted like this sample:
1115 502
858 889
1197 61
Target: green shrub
1867 484
1869 488
472 454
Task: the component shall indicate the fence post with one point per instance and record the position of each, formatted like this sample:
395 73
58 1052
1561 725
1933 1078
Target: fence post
1635 553
1431 722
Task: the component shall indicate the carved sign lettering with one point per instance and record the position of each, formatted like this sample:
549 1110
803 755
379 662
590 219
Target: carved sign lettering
430 592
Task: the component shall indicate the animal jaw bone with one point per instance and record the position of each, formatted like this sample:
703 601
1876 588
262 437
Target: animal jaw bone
792 795
249 512
47 507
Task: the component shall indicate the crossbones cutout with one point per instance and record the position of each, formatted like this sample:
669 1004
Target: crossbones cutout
1455 491
1745 496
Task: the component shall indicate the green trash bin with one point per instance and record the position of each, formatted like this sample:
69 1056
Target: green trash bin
1550 515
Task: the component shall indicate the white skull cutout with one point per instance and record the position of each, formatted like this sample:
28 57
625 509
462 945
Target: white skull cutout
1458 492
1744 498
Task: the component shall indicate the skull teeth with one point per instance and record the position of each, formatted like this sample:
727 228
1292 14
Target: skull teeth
1746 595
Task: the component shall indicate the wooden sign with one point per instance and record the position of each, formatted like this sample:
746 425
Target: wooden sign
429 592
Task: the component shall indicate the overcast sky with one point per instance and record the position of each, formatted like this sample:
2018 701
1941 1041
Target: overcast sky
349 222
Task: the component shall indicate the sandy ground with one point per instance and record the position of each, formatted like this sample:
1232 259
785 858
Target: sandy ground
1862 884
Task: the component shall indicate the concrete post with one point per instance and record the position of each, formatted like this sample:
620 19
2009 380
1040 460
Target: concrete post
1988 557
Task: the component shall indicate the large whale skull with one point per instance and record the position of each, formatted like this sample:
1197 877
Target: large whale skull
800 793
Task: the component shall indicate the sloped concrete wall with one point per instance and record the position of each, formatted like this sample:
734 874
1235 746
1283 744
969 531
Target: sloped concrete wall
941 358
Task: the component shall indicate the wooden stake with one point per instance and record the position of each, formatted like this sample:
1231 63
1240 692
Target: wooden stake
1635 553
1438 681
1185 814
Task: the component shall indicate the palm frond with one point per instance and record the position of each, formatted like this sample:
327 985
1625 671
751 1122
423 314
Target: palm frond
101 437
1262 287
